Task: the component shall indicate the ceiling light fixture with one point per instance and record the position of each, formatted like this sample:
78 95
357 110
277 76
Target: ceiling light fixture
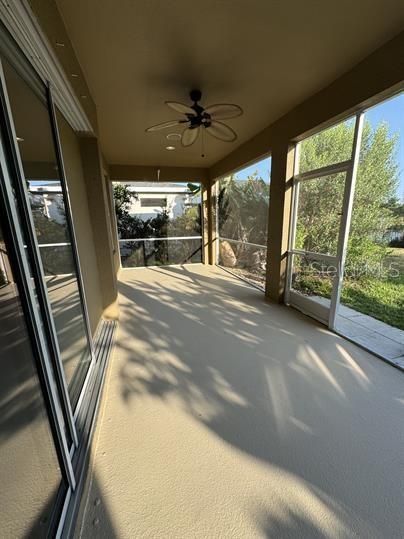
75 76
19 139
60 44
173 136
170 148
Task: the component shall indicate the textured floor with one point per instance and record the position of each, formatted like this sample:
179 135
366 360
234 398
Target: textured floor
224 416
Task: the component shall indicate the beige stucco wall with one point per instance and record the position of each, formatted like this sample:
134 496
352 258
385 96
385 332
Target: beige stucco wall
81 219
98 205
113 227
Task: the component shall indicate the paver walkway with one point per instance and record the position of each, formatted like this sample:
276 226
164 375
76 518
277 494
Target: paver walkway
376 336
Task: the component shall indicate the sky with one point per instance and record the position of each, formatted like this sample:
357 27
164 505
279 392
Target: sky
263 168
390 111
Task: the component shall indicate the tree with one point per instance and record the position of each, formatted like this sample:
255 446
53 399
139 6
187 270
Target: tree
243 216
243 209
187 224
320 200
161 226
49 230
56 259
123 198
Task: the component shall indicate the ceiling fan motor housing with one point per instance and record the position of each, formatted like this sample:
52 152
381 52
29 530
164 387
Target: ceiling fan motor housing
195 95
202 117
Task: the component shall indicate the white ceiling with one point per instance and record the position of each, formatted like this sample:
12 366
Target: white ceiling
265 55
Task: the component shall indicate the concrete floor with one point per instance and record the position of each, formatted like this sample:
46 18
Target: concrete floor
225 416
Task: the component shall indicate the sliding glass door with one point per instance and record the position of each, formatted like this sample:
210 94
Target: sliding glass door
29 465
48 204
46 345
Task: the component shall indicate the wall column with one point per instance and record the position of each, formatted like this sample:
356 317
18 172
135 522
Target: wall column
278 220
93 172
209 237
214 241
205 199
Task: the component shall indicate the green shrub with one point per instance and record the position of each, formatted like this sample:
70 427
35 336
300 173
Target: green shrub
365 259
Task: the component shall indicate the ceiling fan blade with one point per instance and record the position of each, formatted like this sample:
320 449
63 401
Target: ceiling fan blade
189 136
224 111
180 107
221 131
164 125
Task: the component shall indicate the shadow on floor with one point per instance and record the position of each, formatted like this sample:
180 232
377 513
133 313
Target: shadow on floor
324 416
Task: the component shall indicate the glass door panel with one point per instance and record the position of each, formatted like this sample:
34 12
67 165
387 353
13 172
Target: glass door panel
29 469
54 238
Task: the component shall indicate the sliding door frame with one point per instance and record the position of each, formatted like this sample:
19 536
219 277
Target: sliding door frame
29 301
21 193
80 409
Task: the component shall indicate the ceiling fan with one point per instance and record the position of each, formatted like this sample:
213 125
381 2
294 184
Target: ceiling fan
197 117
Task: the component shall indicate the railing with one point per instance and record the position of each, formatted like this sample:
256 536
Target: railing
141 252
247 261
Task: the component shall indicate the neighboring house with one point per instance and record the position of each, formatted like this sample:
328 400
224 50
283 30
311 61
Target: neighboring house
394 236
50 197
153 198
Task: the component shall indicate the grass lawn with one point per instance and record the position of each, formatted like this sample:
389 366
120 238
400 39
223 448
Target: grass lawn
382 298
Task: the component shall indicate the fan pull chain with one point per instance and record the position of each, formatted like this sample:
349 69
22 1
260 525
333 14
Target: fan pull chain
202 144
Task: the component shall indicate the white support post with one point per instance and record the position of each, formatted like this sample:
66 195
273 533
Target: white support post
346 220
